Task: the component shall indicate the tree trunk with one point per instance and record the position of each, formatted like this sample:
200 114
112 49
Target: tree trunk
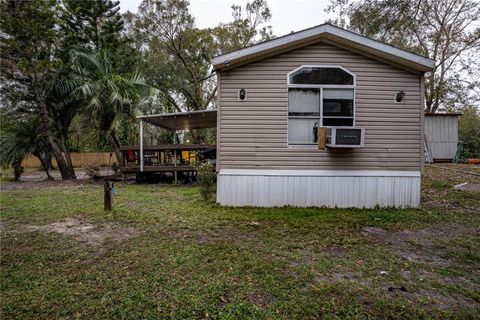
66 171
17 168
66 152
44 160
116 148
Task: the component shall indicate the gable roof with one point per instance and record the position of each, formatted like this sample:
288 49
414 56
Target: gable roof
330 34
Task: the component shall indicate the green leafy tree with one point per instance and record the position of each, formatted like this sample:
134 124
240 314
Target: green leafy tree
469 130
96 25
37 41
92 25
444 30
28 43
177 55
248 27
110 97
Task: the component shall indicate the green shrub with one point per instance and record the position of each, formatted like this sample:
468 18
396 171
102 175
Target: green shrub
469 131
206 179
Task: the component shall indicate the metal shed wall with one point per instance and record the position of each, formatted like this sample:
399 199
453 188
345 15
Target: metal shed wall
441 132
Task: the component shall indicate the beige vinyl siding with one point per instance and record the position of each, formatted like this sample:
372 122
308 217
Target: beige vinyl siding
219 112
253 133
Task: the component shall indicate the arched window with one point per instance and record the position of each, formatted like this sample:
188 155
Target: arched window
319 96
321 75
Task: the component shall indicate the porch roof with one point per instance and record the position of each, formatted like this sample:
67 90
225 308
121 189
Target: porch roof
183 120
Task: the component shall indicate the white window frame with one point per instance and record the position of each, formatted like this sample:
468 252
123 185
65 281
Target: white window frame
321 87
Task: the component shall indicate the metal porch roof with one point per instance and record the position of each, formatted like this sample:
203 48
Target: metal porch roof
183 120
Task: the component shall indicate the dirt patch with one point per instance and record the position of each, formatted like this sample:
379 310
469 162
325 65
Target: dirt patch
23 185
418 245
449 280
452 174
37 179
3 228
438 187
86 232
470 187
261 299
434 299
301 257
429 297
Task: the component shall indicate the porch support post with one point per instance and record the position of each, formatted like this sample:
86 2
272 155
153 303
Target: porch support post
175 164
141 145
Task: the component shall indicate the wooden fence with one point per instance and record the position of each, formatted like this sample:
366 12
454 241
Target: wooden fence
82 159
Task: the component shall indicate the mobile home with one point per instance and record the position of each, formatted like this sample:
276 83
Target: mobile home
321 117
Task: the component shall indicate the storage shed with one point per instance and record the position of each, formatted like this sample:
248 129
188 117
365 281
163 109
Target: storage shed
441 135
321 117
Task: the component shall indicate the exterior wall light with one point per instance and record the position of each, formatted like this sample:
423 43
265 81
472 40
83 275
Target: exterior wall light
399 97
242 95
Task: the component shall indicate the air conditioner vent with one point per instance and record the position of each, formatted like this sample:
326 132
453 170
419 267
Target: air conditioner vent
345 137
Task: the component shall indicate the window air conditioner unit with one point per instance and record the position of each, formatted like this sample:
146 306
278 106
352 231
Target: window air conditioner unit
345 137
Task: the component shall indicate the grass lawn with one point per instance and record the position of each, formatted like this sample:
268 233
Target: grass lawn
164 253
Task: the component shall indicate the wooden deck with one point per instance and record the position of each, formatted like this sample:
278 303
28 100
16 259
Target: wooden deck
173 158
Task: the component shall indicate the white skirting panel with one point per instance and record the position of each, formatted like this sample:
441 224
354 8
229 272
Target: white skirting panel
329 188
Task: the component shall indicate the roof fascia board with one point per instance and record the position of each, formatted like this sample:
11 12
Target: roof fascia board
146 116
422 63
364 53
271 53
443 114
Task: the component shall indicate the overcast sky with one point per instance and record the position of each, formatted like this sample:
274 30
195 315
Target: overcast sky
287 15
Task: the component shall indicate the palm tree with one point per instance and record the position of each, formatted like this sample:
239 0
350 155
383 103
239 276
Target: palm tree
19 138
110 96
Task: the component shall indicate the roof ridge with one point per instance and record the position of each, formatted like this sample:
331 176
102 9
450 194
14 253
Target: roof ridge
325 28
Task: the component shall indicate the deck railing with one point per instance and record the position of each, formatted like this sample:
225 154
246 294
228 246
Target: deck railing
170 157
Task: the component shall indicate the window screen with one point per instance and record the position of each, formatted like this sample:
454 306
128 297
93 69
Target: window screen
304 102
303 131
303 115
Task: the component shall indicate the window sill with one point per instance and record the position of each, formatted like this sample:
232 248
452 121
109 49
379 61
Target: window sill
302 146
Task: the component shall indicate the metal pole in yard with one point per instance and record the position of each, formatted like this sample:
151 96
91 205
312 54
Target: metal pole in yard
141 145
107 196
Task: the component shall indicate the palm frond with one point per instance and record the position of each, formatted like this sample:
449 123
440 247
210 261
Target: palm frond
108 95
20 138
